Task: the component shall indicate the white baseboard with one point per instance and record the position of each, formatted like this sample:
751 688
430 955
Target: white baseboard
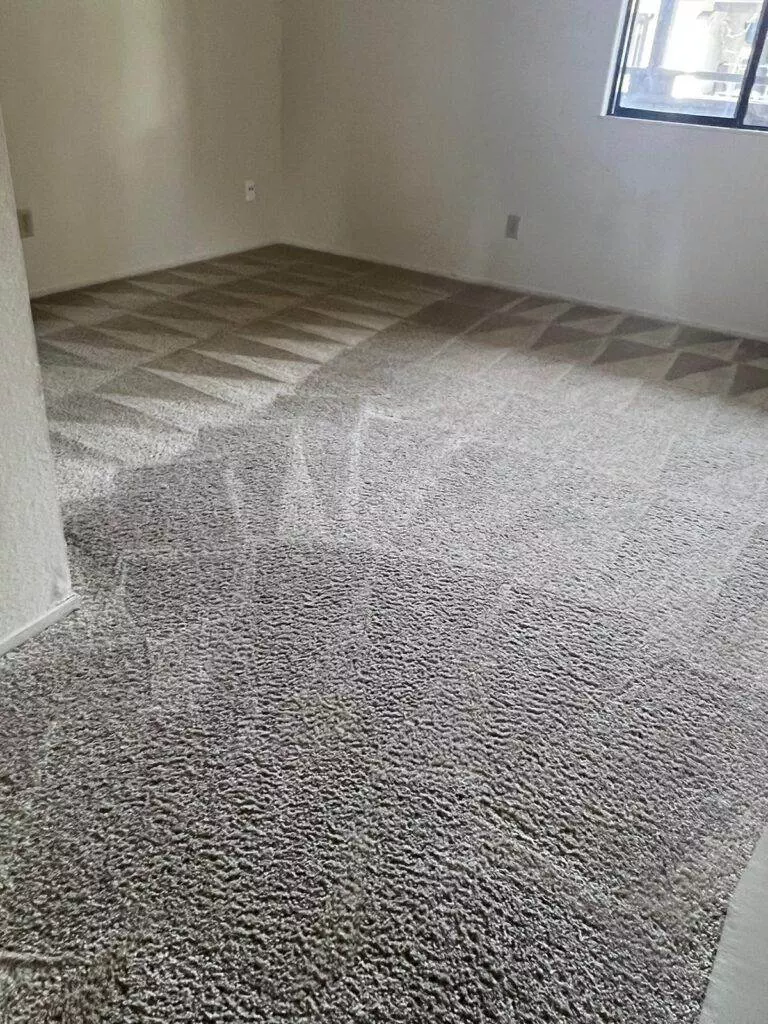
521 286
152 268
420 268
35 627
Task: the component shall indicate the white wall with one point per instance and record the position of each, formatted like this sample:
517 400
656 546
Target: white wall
132 126
34 578
412 127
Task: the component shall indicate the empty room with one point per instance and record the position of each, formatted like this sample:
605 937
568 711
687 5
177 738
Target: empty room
383 511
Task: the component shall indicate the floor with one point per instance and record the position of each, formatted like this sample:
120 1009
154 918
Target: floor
421 667
164 354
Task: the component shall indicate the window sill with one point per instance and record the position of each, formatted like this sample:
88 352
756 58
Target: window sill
668 122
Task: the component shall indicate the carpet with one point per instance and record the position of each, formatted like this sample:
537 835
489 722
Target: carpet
420 674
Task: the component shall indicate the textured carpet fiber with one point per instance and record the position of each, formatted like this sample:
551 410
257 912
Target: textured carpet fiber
421 670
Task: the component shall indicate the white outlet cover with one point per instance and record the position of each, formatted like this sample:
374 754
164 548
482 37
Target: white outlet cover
250 191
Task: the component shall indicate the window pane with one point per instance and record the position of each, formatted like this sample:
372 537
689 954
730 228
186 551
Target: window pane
757 112
689 56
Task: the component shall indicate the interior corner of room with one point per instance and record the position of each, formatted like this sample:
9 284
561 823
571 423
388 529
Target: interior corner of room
403 133
383 480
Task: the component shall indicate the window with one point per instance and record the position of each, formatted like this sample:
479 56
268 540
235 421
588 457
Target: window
696 61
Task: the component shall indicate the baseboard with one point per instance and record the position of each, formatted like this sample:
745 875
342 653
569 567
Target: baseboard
154 268
523 287
33 628
421 269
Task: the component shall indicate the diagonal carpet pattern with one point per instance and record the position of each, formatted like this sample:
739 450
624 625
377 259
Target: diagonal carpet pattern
420 674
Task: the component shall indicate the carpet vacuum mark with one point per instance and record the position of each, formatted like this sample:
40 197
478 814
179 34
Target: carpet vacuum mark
420 673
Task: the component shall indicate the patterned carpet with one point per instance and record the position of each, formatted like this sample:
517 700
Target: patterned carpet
162 355
420 674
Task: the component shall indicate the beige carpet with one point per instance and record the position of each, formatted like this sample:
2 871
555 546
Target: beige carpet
421 668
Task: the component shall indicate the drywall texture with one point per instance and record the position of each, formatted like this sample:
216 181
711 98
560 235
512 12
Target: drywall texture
34 577
132 127
412 129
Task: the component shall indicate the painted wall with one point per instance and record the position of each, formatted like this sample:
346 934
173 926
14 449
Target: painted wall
132 126
412 127
34 578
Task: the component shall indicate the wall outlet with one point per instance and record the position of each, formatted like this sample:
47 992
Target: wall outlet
26 224
250 191
513 226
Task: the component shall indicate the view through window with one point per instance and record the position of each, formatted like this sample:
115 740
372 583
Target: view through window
700 61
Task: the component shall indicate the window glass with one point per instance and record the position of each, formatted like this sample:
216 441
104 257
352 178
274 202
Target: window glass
691 57
757 111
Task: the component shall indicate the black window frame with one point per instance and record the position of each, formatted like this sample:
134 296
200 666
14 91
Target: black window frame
615 108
